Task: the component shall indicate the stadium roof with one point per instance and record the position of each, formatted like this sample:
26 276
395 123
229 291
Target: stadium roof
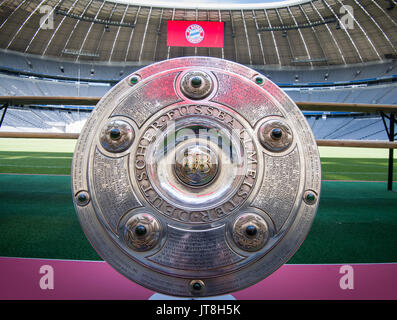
281 33
214 4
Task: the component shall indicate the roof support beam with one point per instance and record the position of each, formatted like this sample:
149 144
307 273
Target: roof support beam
274 38
385 13
301 36
74 27
314 33
158 34
12 13
169 48
330 33
344 29
103 31
23 24
259 37
233 35
131 34
144 34
184 18
117 33
282 23
365 34
39 28
58 27
220 20
246 36
377 25
88 32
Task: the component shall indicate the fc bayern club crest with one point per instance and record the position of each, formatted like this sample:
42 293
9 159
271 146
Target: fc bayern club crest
194 33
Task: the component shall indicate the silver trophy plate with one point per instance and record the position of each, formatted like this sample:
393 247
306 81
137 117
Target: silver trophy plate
196 177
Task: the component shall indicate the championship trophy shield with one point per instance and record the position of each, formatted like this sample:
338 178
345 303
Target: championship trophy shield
196 177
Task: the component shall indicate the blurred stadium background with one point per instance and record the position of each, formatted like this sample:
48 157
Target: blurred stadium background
300 45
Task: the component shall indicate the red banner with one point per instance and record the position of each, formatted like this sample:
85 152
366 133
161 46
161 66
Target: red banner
195 34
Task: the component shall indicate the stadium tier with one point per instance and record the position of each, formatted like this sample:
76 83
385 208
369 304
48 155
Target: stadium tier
31 86
379 94
28 64
56 77
328 127
335 126
22 85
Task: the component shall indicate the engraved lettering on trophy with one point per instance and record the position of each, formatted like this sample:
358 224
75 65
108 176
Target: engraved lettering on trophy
112 188
279 187
260 103
143 101
202 250
196 163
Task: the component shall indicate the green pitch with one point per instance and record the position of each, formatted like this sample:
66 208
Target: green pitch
356 221
54 156
39 156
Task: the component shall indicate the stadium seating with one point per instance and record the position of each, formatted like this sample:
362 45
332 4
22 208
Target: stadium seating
114 72
358 127
30 119
26 75
29 86
377 94
334 126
